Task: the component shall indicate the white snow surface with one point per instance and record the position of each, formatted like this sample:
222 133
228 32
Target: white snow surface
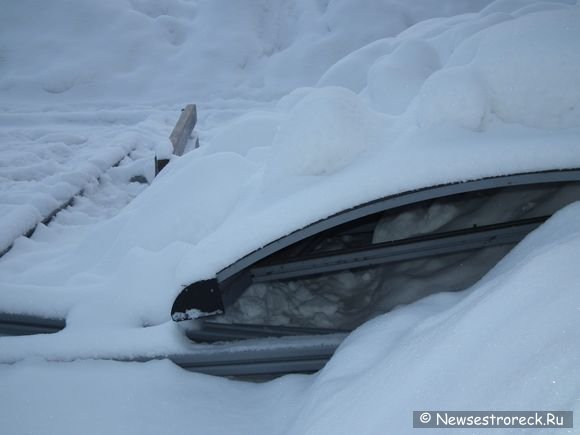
306 108
184 50
316 153
510 342
48 158
76 100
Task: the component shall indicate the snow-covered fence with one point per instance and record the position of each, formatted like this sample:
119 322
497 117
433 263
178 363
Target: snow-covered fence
24 221
180 135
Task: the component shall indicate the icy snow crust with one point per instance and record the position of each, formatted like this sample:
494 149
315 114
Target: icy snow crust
363 114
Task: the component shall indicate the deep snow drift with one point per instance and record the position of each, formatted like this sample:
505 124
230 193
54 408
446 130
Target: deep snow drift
319 151
107 77
177 51
511 342
449 99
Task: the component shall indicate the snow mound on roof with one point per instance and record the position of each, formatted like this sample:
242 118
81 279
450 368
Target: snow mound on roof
395 79
533 74
453 96
351 71
504 64
255 130
514 71
183 50
323 133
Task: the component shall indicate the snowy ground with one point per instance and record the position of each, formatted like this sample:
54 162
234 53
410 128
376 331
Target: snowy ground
425 356
306 108
50 156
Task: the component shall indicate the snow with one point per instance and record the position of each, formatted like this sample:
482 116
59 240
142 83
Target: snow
319 151
454 96
305 109
552 106
126 398
47 158
494 71
394 80
256 130
451 351
178 51
351 71
323 133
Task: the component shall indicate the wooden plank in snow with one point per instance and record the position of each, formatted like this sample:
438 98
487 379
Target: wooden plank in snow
183 129
180 134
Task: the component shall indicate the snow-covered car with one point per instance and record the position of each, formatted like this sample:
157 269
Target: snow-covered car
338 272
384 205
